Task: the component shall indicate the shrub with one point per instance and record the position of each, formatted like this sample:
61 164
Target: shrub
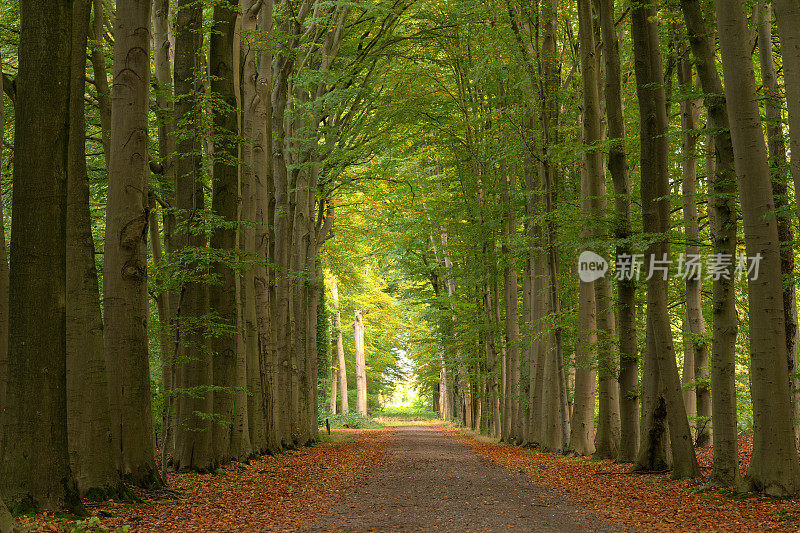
348 420
409 413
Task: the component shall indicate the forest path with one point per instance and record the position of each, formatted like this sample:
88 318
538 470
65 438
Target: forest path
431 482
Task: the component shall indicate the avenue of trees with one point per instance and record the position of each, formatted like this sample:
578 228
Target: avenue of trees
216 214
546 129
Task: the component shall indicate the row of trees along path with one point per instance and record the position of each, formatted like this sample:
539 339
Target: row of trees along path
179 170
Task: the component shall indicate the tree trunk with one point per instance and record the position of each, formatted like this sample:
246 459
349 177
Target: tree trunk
555 426
241 446
337 328
223 69
7 524
167 300
655 208
445 393
608 429
787 14
777 157
687 374
282 336
125 305
722 215
653 454
490 349
581 439
774 468
34 455
361 372
334 379
300 302
3 297
194 443
166 345
530 301
263 197
88 418
699 396
501 352
316 288
512 433
626 288
462 381
488 302
250 312
537 325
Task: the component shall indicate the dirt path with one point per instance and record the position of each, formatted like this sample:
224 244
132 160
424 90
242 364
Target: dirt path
430 482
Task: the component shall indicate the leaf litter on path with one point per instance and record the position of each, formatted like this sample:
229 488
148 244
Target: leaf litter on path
272 493
646 502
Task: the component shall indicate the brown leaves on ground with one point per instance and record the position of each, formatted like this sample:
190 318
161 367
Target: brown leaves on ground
273 493
283 492
646 502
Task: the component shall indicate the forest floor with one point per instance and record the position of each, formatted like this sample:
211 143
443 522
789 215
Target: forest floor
273 493
645 502
434 478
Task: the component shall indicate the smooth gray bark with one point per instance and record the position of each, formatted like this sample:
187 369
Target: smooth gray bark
774 468
125 306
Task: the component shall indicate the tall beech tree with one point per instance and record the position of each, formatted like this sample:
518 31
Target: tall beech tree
695 358
777 161
774 468
4 273
34 454
361 371
511 426
337 336
125 251
194 444
583 411
722 215
626 286
608 427
167 301
581 439
88 416
787 15
555 412
223 71
256 422
261 197
660 351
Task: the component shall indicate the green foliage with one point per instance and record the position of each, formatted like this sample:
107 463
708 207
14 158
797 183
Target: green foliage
94 525
408 413
351 420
